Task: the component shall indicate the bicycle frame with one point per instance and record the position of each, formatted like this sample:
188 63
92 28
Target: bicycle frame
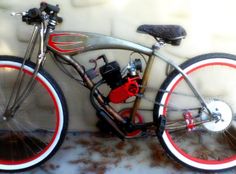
90 41
66 44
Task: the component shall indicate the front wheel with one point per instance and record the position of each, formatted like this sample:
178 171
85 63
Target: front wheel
211 145
35 132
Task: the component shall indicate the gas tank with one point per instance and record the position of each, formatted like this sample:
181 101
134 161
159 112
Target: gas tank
70 43
67 42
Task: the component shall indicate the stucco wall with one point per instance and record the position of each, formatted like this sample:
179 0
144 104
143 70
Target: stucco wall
210 26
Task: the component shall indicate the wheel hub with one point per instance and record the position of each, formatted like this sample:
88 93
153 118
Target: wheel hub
222 116
7 115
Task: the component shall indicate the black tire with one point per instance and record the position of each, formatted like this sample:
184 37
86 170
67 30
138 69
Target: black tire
176 143
42 148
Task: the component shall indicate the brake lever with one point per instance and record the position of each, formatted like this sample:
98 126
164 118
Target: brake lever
18 13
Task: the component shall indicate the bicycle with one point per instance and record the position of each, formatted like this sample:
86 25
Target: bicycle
193 114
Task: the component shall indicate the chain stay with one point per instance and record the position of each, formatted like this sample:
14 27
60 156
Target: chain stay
188 120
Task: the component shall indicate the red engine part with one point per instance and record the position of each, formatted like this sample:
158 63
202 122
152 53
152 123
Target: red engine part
123 92
138 118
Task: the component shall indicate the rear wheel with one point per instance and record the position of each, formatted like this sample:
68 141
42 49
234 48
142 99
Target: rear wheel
210 146
37 129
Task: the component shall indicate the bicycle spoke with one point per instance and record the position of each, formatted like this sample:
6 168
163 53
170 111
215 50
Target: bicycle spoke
20 138
27 131
231 139
171 106
3 102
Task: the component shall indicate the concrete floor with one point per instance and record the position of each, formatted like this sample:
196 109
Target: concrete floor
92 153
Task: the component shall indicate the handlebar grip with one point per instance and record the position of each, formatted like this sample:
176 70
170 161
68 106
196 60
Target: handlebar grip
59 19
34 13
48 8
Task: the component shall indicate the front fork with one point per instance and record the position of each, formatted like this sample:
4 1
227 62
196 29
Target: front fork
19 94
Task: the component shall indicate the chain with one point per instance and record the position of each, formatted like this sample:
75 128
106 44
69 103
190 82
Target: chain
170 108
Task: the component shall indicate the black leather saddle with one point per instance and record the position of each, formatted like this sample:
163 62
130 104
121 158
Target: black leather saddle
171 34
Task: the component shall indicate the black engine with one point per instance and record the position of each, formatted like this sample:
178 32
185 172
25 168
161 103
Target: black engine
111 74
122 87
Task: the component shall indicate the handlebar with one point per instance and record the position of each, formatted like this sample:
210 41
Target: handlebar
51 9
37 15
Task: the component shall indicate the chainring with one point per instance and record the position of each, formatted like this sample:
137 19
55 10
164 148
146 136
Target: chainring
125 113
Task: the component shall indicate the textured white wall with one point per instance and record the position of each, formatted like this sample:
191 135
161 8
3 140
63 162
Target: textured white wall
210 26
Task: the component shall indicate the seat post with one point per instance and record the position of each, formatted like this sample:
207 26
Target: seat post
143 86
159 44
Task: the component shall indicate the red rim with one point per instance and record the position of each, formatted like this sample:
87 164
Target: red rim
138 119
165 109
57 120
